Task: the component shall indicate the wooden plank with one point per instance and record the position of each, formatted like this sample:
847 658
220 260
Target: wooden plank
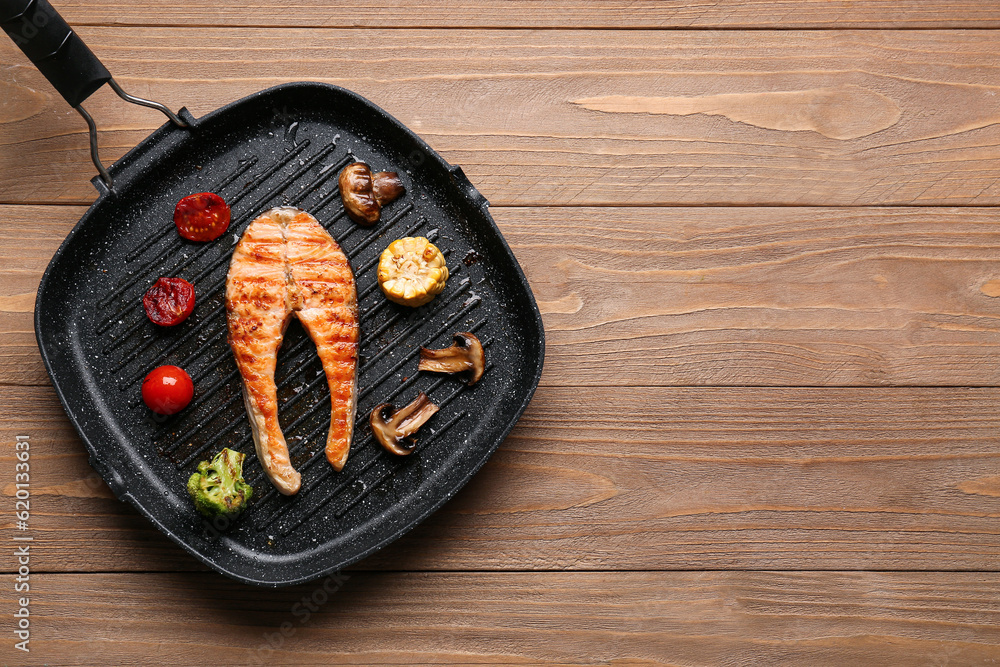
29 236
635 478
697 296
537 14
764 296
544 618
578 117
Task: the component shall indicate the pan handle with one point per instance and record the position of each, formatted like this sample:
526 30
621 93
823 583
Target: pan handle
58 52
69 64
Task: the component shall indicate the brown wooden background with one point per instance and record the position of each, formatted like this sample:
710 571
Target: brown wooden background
764 238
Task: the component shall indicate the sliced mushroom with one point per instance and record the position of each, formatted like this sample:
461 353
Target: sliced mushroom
364 193
387 186
465 354
394 428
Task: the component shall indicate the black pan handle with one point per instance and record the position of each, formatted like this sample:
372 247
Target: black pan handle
58 52
69 64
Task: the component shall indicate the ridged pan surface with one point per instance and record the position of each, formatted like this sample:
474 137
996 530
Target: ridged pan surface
283 146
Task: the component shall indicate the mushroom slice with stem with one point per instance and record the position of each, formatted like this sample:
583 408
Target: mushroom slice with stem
465 354
394 428
364 193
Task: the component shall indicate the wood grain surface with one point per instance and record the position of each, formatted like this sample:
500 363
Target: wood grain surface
763 237
575 117
592 618
547 14
770 478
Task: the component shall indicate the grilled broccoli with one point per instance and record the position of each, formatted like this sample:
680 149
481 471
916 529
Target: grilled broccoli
218 489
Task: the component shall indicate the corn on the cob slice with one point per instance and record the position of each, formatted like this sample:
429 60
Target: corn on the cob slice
412 271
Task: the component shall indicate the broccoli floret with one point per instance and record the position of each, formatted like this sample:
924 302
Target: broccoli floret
218 489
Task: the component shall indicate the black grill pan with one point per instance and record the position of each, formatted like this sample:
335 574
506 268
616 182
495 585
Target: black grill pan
282 146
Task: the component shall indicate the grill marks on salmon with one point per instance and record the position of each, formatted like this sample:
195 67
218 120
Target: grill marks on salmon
257 314
286 264
326 303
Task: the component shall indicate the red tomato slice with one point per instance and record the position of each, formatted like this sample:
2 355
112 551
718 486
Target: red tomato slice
167 390
202 217
169 301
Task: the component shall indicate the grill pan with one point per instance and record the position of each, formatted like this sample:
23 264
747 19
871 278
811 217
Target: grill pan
282 146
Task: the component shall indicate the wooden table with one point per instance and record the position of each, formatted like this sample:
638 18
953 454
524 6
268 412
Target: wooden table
764 239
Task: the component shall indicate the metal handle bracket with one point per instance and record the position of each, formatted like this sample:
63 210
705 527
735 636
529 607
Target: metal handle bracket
92 126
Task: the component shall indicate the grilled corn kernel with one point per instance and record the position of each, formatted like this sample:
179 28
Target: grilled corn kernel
412 271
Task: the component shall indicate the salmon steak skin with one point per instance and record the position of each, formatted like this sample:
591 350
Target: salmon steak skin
286 264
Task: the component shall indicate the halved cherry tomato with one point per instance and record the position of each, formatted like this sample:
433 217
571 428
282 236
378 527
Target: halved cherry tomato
202 217
167 390
169 301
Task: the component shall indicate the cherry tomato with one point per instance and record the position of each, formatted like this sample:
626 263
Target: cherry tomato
202 217
169 301
167 390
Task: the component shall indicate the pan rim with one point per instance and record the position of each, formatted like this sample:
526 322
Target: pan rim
123 173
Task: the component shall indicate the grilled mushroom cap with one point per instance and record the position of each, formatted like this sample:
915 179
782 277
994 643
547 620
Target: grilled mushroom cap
465 354
387 186
394 428
364 194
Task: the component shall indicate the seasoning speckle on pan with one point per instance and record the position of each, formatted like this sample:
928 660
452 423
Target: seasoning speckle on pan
79 307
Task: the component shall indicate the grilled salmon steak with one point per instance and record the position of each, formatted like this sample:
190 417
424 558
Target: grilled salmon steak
286 264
